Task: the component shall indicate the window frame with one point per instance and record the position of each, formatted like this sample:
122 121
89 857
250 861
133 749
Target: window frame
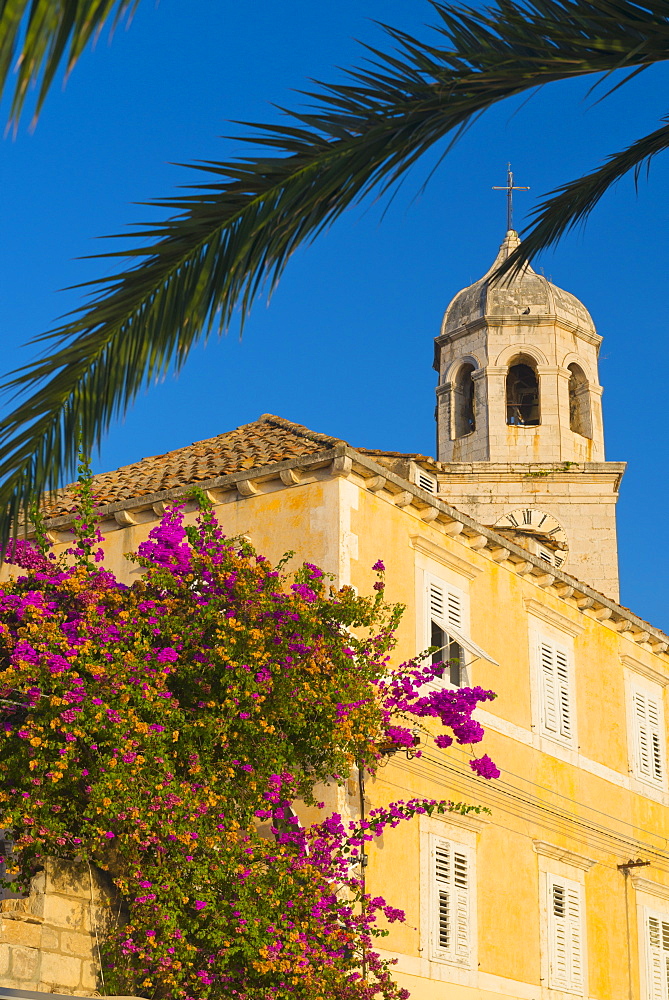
571 889
648 775
462 599
564 695
463 957
648 914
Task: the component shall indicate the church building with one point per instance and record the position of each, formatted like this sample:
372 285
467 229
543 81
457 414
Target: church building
503 548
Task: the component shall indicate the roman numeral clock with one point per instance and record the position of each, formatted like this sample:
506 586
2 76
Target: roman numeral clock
537 531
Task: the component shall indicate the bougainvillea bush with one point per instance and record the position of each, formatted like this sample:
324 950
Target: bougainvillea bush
161 732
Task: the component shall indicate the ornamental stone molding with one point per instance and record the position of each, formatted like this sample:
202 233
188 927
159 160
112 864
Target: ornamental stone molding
553 617
562 854
442 555
642 884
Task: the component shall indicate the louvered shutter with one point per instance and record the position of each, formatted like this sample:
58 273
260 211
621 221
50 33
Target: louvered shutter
575 938
444 894
555 690
657 950
648 723
444 605
451 889
461 884
444 611
565 929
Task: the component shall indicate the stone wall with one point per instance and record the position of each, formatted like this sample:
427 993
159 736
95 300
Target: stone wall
48 940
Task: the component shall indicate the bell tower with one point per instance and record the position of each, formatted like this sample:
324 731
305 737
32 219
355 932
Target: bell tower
519 420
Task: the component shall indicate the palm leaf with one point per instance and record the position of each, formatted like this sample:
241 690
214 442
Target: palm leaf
572 203
38 36
228 237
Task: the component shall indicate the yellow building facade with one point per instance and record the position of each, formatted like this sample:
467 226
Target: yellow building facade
562 890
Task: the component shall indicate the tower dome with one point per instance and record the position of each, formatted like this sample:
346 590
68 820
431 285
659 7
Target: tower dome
524 293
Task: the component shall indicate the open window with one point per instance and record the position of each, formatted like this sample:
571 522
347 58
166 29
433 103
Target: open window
522 393
579 402
446 627
464 412
445 611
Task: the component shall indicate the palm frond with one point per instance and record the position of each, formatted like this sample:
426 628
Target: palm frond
573 202
231 235
37 37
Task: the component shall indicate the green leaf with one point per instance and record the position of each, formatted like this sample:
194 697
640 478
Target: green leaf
37 37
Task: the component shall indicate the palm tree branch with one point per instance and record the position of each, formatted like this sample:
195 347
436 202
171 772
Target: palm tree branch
230 236
573 202
38 36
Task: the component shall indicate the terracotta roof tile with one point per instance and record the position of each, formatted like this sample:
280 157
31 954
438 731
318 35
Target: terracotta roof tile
267 440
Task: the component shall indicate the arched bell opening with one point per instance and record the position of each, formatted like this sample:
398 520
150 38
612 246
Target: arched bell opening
522 393
464 406
579 402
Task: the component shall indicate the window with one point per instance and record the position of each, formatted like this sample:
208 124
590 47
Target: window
445 611
565 935
522 394
464 414
555 681
647 729
451 901
579 405
657 956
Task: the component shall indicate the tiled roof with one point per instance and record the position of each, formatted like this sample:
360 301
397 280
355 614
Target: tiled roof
266 440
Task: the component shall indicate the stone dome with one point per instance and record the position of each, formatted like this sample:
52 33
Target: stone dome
526 293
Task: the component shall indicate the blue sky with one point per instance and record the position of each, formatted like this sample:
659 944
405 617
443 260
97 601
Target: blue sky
345 346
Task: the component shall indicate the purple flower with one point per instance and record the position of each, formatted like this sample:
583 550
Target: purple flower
199 904
484 767
167 655
378 566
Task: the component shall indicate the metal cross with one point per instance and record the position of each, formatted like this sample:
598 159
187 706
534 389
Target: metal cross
510 188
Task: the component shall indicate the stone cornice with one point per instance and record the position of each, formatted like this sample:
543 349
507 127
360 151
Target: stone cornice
639 667
342 460
514 469
566 624
465 567
543 319
652 888
563 855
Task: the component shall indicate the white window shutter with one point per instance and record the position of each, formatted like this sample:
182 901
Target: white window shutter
451 909
436 602
549 688
461 883
575 938
654 723
556 698
657 952
444 901
563 693
454 610
565 931
559 943
444 606
648 724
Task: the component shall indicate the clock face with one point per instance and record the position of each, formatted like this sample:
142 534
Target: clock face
540 532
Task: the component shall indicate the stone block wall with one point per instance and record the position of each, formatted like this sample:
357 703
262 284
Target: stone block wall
48 940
